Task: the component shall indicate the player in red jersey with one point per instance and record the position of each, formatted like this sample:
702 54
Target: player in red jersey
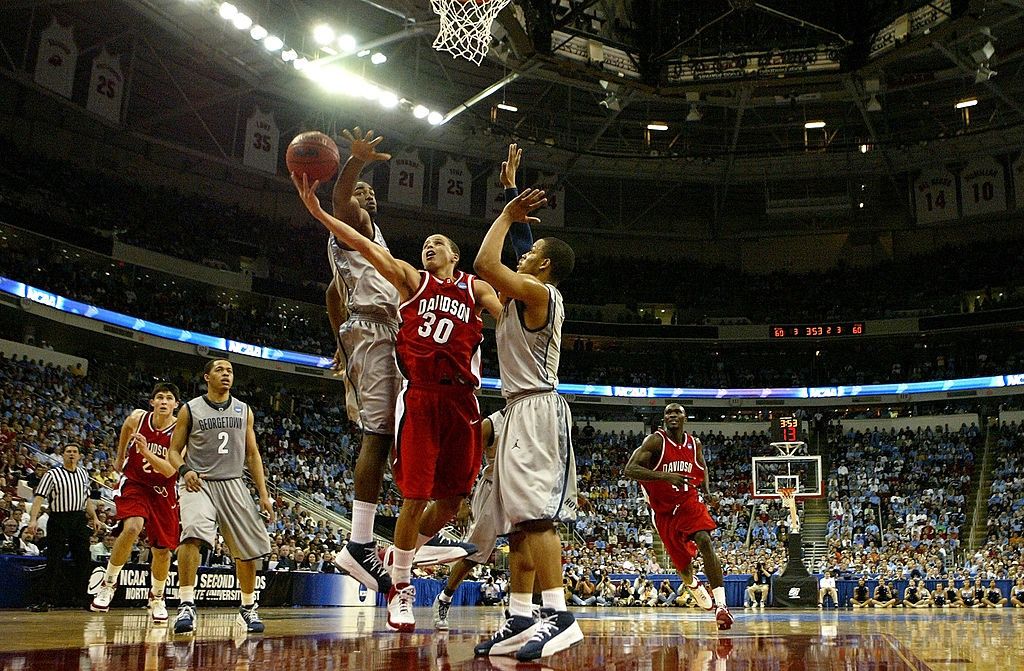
670 467
437 417
146 496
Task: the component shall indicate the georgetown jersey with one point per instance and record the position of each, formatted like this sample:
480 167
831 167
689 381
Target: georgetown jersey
135 466
440 334
369 294
216 438
678 458
528 359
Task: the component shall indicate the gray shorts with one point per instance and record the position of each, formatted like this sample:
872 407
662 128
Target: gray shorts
371 371
228 505
483 533
535 466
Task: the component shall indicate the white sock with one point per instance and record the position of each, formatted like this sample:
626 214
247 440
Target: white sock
248 599
187 594
363 514
719 594
421 540
443 596
112 570
158 587
553 598
401 570
520 603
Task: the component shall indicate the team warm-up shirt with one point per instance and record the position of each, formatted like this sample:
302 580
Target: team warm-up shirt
216 438
529 358
675 458
369 294
440 333
136 468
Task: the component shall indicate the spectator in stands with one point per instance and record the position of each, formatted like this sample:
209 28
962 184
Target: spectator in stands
827 588
11 542
757 591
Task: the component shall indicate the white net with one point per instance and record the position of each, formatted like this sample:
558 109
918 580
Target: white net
466 26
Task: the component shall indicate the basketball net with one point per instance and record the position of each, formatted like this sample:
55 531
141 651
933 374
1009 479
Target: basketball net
788 496
466 26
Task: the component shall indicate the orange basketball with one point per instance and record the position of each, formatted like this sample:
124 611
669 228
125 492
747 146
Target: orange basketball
313 154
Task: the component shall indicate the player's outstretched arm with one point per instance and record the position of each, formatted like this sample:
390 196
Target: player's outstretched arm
520 234
645 456
403 276
128 430
488 260
364 151
254 462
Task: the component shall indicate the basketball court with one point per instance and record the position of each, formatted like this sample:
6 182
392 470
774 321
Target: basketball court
616 639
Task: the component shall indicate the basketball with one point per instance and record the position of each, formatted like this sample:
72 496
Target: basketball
313 154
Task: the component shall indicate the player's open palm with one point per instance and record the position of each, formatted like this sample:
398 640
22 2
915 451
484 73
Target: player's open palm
364 146
510 165
520 207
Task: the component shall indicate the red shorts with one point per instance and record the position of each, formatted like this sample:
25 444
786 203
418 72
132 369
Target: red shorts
437 448
677 530
158 506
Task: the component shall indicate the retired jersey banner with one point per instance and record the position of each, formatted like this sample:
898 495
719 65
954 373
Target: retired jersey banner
406 183
935 196
454 186
58 54
982 187
554 213
261 142
106 87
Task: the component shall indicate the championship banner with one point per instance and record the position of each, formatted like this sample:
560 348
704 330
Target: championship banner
406 182
495 196
261 142
106 87
982 187
935 196
554 213
58 54
214 586
454 187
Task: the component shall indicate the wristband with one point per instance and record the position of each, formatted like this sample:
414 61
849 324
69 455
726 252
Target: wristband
183 470
511 193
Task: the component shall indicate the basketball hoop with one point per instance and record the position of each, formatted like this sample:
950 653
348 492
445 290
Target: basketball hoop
788 496
466 26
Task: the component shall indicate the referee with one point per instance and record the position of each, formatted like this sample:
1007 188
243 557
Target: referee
67 489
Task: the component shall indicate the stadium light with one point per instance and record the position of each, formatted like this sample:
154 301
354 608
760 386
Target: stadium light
435 118
814 124
388 100
227 11
378 58
258 32
272 43
507 107
420 111
289 55
969 102
241 21
322 34
363 53
347 42
300 63
657 125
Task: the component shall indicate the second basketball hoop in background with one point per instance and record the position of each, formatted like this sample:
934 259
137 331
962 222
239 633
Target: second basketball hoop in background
465 30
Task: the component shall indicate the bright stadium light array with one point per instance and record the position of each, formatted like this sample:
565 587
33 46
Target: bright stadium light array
331 78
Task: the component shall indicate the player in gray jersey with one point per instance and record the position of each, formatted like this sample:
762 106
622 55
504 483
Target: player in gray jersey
363 309
535 470
217 430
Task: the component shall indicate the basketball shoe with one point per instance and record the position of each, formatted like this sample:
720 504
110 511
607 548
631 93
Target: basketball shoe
250 619
401 598
442 550
700 594
101 602
360 560
514 632
185 622
441 609
157 608
724 618
556 631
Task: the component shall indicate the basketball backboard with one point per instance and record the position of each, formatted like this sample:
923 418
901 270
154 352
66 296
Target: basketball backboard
801 472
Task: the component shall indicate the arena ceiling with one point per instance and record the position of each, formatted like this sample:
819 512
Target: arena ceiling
734 81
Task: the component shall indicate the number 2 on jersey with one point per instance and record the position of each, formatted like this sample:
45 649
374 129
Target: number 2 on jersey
223 438
440 334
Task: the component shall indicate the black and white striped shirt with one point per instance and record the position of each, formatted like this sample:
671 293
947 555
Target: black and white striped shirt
67 491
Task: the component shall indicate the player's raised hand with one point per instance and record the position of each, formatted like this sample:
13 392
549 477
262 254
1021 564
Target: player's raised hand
307 193
364 146
510 165
520 207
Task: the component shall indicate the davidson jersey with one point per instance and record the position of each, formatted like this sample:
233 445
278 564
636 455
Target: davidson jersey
678 458
135 466
440 333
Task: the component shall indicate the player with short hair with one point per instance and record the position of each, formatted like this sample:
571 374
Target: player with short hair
670 467
437 416
146 497
535 472
217 430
